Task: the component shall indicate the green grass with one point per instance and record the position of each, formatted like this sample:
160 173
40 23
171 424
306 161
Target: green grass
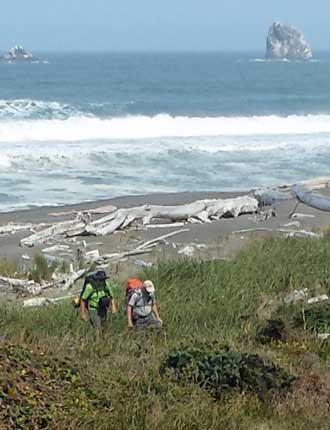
200 302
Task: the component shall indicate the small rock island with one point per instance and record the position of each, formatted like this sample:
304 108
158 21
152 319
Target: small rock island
284 42
18 54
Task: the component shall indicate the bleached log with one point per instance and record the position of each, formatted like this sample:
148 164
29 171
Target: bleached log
44 301
311 199
27 286
289 233
228 207
316 183
67 281
121 218
11 228
55 248
107 228
120 255
301 216
23 285
57 229
169 225
174 213
95 211
151 242
311 184
202 210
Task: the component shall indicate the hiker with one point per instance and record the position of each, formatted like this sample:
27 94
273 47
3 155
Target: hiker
96 299
142 309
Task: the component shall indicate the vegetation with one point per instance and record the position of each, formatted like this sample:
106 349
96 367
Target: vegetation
221 370
114 380
38 270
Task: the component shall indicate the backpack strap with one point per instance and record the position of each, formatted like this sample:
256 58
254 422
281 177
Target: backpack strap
90 295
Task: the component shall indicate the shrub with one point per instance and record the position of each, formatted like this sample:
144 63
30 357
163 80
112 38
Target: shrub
225 370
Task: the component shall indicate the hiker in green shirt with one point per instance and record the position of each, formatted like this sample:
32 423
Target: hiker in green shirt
96 299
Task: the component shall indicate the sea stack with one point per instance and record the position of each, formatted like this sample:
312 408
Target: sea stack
284 42
18 54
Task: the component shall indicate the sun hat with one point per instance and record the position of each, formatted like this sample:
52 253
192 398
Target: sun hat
100 275
149 286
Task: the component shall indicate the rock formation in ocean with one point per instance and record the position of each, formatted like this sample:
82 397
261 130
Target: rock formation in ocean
285 42
18 54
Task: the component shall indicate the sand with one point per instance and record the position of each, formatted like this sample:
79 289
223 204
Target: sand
209 241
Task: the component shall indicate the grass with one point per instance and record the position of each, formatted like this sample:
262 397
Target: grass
200 302
37 270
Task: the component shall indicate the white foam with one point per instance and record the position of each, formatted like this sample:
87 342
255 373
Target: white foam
27 108
163 125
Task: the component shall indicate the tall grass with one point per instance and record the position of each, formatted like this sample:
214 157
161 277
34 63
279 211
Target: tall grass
216 301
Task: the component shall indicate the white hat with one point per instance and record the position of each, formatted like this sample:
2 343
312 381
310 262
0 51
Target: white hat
149 286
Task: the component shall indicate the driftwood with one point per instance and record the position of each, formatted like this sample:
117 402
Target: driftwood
63 282
56 248
66 281
57 229
271 196
144 248
96 211
310 184
199 211
152 242
316 183
44 301
168 225
23 285
311 199
289 233
11 228
301 216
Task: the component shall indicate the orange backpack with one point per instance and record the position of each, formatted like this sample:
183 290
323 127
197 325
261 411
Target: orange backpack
131 285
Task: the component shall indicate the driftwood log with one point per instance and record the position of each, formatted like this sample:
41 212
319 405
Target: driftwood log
44 301
199 211
64 282
286 232
144 248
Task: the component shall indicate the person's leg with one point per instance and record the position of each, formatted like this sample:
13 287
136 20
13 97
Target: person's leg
148 321
152 321
104 319
94 318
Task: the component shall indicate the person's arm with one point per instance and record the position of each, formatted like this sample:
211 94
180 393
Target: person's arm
83 302
113 306
83 310
155 312
110 287
129 315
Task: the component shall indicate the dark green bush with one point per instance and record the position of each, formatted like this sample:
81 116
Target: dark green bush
225 370
314 317
273 330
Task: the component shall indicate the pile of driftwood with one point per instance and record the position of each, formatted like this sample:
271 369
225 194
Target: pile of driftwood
118 219
25 286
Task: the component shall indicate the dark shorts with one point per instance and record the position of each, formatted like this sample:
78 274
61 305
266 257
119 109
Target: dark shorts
148 321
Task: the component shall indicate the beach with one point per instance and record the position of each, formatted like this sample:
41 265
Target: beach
219 239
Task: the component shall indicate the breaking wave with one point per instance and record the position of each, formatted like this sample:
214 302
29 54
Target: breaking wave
35 109
86 128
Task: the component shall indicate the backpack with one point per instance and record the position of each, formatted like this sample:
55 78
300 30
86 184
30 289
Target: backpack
132 285
89 279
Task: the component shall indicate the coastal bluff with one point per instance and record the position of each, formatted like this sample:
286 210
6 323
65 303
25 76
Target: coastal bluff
285 42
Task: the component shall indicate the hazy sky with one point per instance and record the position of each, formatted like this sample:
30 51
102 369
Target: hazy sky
111 25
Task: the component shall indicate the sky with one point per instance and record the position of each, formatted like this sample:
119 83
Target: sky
157 25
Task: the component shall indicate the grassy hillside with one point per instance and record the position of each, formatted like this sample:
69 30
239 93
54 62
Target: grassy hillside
55 372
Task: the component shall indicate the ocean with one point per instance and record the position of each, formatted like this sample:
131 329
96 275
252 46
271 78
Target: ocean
81 127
